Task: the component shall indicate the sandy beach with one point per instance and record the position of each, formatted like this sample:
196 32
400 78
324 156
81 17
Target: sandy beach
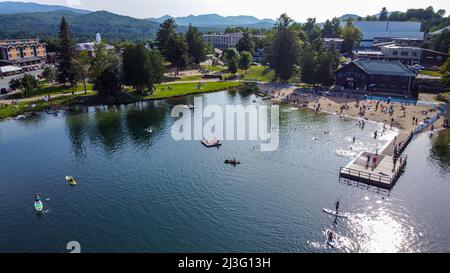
404 117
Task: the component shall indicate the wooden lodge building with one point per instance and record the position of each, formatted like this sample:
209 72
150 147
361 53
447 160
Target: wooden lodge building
376 77
22 52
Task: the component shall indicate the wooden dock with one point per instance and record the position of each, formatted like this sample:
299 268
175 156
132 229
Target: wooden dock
383 174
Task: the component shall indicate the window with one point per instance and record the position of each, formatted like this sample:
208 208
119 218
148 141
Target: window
395 52
414 54
404 53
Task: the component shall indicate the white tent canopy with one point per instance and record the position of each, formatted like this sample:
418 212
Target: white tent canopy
9 69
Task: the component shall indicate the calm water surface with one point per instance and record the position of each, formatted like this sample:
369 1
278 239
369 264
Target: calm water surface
145 192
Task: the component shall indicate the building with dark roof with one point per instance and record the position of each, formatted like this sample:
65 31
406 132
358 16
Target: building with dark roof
378 77
22 52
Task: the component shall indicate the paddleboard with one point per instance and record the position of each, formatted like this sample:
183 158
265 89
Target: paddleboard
38 206
332 212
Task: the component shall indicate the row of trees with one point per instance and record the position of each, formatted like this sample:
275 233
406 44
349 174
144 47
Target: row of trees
181 50
297 49
138 67
430 19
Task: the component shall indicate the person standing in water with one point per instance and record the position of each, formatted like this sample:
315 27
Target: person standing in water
337 207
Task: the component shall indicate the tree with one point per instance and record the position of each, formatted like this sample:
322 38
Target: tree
311 30
105 71
109 81
49 73
136 64
233 65
142 68
446 72
283 48
66 72
245 44
177 51
15 84
231 53
327 64
246 60
196 45
383 14
82 65
156 69
331 29
441 41
351 36
26 84
166 30
29 83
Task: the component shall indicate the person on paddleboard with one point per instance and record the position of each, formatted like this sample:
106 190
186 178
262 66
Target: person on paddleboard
330 236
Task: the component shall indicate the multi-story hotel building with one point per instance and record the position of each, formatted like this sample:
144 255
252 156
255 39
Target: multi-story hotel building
225 40
22 52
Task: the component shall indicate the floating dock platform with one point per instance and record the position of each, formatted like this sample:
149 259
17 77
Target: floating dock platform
210 145
383 174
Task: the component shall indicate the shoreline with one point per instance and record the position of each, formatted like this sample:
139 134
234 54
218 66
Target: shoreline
103 101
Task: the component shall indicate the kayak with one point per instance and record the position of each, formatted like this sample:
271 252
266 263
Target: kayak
332 212
232 162
38 206
71 180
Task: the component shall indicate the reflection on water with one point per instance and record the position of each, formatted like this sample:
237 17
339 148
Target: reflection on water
440 150
145 192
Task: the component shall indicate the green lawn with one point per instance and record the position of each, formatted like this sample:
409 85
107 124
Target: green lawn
214 68
258 73
444 97
179 89
431 73
49 89
23 107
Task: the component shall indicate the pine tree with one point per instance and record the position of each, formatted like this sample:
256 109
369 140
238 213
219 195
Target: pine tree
66 73
196 45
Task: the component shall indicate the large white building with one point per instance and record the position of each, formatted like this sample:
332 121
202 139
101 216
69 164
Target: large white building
225 40
374 31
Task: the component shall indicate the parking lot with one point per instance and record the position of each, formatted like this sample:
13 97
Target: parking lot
4 81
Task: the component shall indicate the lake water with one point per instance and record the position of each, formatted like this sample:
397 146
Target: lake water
145 192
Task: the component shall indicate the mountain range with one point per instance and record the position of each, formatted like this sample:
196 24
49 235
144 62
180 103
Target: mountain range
211 20
10 7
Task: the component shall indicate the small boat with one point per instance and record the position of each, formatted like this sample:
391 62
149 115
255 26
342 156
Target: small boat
189 106
20 117
149 130
71 180
211 143
232 161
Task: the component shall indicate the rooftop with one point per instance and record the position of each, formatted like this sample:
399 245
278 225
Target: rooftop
90 46
377 67
437 32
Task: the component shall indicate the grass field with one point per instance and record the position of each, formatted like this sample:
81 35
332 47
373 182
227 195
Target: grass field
7 111
258 73
50 89
179 89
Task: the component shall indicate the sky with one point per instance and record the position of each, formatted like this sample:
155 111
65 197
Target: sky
296 9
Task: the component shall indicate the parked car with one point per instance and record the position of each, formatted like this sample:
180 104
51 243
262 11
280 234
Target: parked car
5 91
